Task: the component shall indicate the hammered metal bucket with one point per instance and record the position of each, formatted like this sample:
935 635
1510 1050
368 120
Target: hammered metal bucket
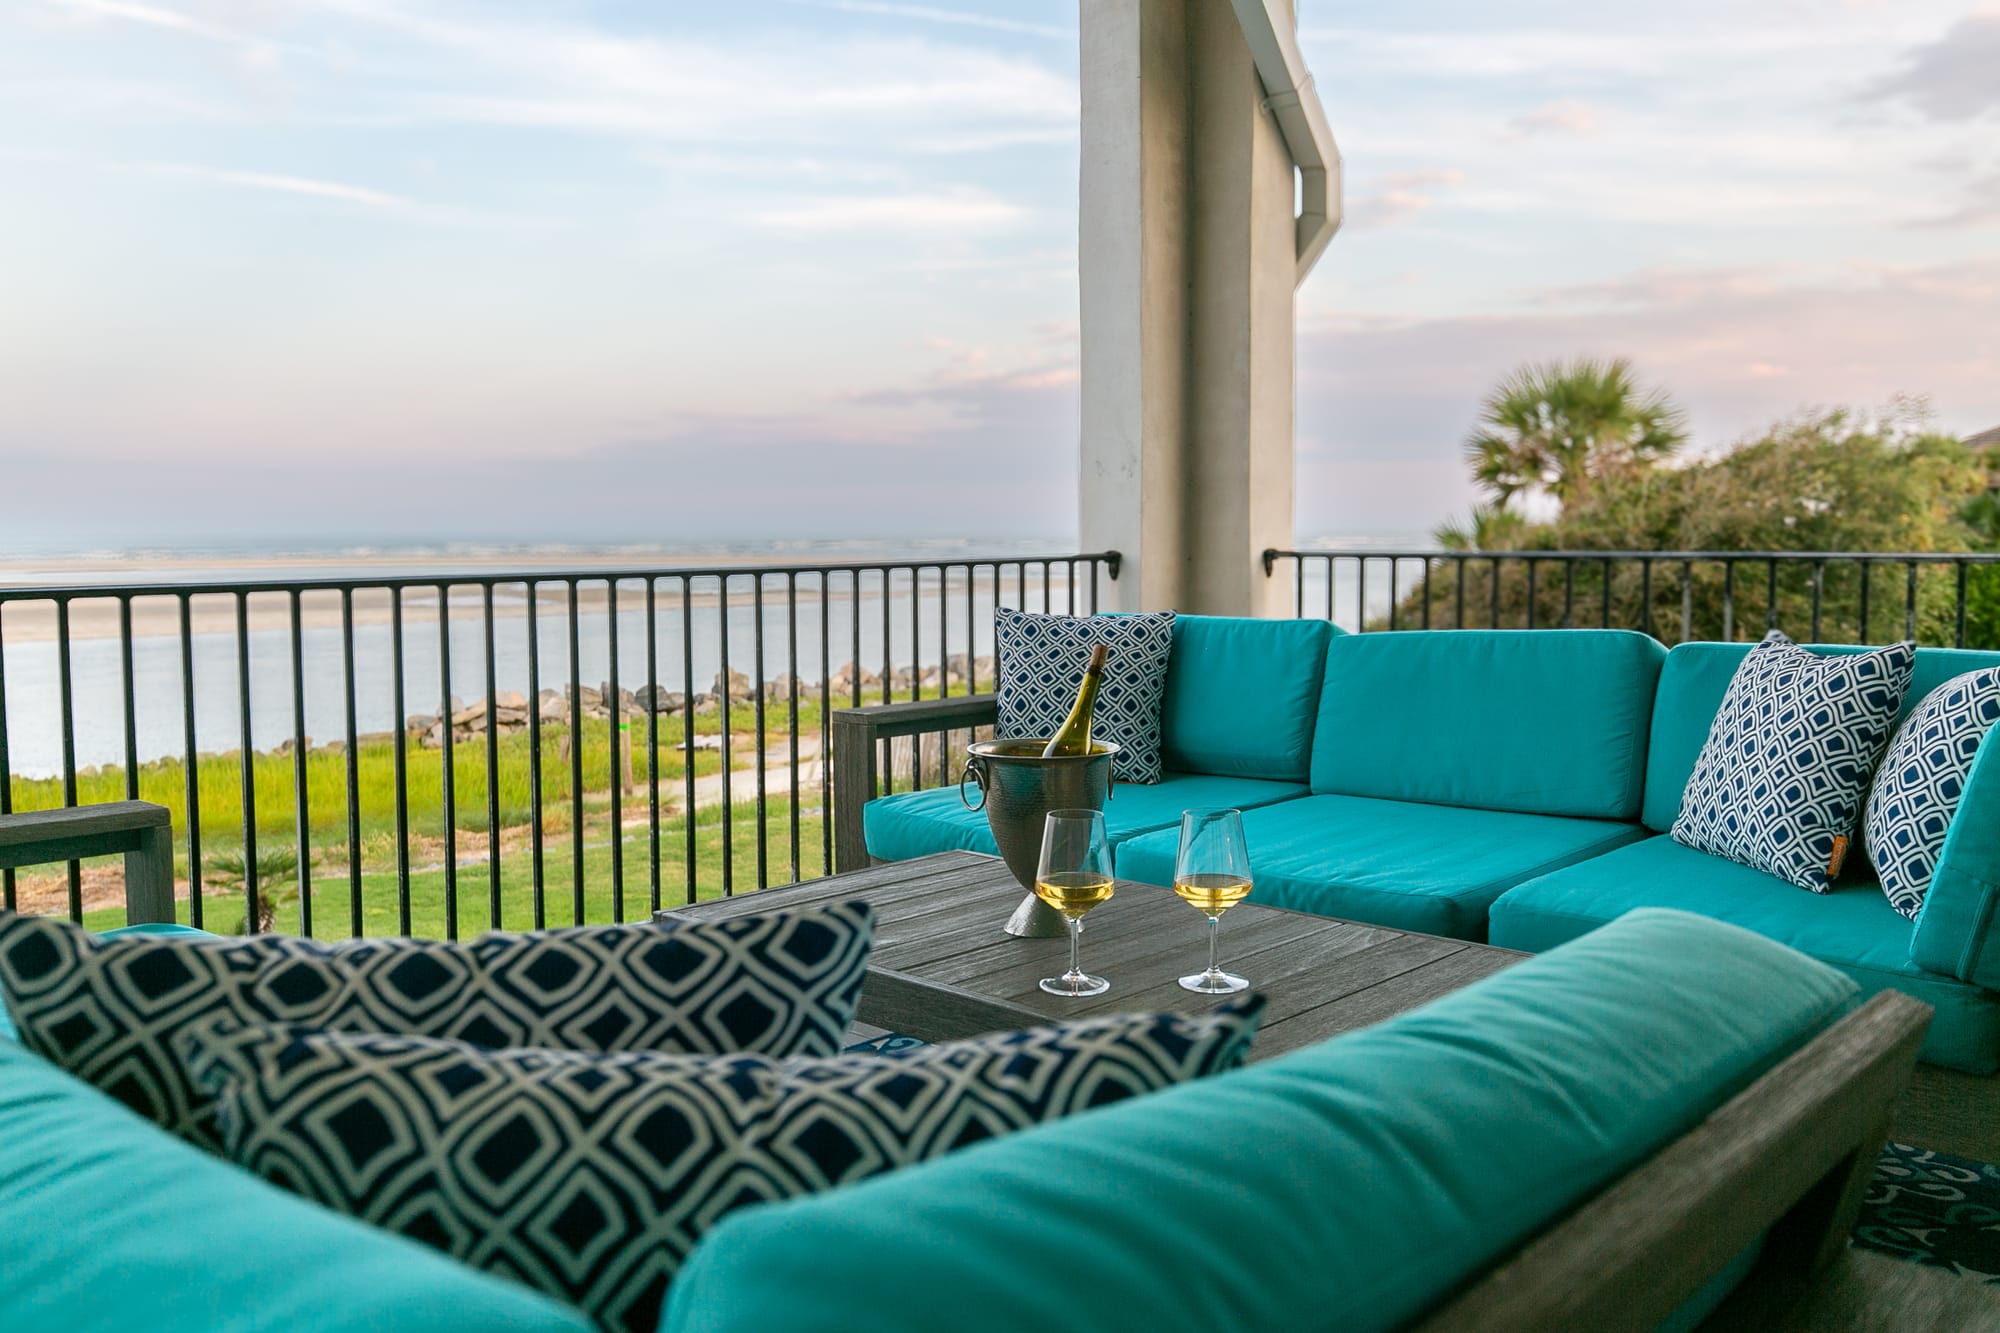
1017 789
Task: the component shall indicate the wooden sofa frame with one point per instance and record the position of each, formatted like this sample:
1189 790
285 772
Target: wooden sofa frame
1788 1159
858 765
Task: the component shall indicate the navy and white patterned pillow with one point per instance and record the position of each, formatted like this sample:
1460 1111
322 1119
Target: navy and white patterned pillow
1041 665
107 1010
1918 786
591 1176
1779 783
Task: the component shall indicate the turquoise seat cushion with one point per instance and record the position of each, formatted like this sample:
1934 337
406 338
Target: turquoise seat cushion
1695 678
1852 928
1428 868
918 823
1546 722
1241 695
112 1224
1350 1185
1955 930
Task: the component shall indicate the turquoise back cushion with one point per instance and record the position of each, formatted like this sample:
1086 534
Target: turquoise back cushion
1241 695
1956 932
1349 1185
1546 722
1692 684
109 1224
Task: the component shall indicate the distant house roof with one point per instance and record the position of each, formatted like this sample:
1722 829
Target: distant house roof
1985 439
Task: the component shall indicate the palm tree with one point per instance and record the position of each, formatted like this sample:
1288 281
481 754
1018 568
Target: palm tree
1552 427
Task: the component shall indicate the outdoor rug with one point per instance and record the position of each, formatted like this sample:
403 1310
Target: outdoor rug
1931 1208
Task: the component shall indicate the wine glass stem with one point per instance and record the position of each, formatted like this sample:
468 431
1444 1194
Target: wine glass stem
1214 929
1075 936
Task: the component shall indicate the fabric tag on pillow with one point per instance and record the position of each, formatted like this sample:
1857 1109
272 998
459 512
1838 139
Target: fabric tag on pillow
1780 780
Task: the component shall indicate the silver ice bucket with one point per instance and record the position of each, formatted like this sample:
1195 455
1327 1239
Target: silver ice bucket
1017 789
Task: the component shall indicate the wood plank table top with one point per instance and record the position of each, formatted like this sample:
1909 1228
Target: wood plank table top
943 966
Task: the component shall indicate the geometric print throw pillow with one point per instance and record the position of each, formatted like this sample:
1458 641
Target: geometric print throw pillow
1780 780
591 1176
1041 665
107 1010
1918 786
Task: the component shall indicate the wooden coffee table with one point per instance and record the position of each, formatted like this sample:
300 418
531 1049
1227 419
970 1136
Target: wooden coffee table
944 968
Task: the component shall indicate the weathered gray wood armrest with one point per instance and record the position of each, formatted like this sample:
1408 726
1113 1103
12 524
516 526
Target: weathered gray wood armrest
141 831
1787 1159
857 737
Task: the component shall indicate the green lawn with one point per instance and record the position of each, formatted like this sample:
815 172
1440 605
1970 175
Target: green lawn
380 912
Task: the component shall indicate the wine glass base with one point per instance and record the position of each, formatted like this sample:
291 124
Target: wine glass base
1212 983
1075 983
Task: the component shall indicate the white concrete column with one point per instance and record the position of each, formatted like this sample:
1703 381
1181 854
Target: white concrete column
1188 258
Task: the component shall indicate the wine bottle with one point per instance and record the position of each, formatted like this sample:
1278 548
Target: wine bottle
1073 737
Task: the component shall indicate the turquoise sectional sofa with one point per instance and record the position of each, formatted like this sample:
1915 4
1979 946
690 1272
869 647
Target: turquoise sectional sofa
1443 1167
1510 786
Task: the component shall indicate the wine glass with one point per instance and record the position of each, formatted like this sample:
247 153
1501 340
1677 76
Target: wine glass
1212 874
1074 876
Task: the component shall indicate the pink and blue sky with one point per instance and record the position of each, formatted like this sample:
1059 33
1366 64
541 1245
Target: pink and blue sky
351 270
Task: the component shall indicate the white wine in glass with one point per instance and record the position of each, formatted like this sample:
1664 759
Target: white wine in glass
1074 876
1212 874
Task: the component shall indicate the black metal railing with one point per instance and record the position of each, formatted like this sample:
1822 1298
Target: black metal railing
1676 596
206 697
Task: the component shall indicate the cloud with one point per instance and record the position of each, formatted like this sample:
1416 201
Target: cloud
1383 407
942 211
932 14
300 185
1980 207
1401 196
1956 77
1566 116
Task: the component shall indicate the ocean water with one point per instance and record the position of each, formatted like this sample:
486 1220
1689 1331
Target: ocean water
922 625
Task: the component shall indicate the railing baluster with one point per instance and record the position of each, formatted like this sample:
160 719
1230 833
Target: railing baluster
1687 600
352 756
1867 571
1569 594
1458 587
1958 640
653 742
792 713
614 702
301 791
537 825
728 762
1392 592
448 761
67 704
1729 601
1771 595
826 720
253 916
1910 602
575 753
493 908
1818 596
402 757
130 688
1532 572
1646 595
1495 617
1604 618
689 831
763 739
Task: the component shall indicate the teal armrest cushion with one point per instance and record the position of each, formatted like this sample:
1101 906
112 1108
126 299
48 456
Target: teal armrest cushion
109 1224
1955 932
1349 1185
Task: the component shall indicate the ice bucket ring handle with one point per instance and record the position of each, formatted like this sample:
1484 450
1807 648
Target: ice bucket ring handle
977 772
